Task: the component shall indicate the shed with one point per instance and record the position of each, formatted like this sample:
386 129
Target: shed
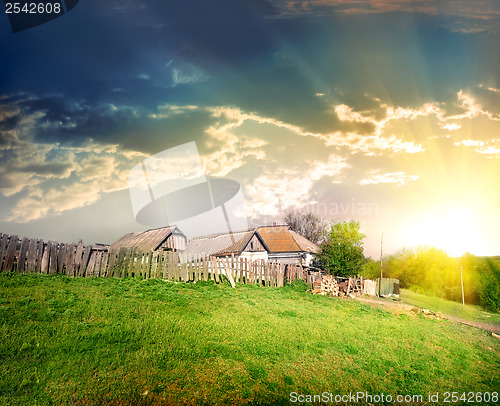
287 246
158 239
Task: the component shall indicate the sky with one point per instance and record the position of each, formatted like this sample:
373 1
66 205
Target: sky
385 112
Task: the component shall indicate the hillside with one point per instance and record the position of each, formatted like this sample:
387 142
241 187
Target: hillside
94 341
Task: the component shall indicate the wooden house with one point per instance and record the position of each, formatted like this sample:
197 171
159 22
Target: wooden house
286 246
270 243
158 239
244 244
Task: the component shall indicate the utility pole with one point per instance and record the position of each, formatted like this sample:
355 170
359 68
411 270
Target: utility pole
380 283
462 283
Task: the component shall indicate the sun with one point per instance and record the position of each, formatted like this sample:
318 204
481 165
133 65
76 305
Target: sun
451 229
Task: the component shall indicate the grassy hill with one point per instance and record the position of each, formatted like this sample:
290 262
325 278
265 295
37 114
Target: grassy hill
448 307
129 342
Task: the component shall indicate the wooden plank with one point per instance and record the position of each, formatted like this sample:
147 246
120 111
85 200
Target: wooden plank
45 259
11 253
266 274
85 260
118 263
154 264
176 272
143 265
147 265
282 275
138 264
230 279
53 258
31 265
21 262
97 267
3 243
91 265
194 268
184 271
78 257
167 265
164 265
104 264
60 257
125 263
131 262
69 260
39 256
205 268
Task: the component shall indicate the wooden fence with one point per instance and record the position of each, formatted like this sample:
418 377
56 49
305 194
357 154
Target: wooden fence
36 256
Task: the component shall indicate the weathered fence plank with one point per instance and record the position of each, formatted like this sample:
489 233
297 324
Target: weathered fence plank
3 244
69 260
31 264
21 262
45 259
53 258
11 252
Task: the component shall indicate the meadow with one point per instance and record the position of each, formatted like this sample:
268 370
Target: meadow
97 341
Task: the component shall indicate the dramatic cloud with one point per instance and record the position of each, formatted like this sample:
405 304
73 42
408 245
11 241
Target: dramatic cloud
469 16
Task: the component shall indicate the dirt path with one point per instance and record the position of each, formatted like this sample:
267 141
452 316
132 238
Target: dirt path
398 307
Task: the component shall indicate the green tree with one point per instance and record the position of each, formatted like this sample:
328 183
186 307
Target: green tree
342 249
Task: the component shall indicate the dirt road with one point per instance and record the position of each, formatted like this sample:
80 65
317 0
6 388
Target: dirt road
398 307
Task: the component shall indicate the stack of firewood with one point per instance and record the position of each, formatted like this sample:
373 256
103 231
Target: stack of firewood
325 286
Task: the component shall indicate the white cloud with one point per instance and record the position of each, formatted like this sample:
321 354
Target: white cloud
451 126
168 110
398 178
470 143
270 193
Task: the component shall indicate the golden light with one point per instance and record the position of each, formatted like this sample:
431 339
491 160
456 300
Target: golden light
451 229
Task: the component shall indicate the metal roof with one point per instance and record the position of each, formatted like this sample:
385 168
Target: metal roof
282 239
219 244
148 240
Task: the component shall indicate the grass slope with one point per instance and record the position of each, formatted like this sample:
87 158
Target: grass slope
128 342
436 304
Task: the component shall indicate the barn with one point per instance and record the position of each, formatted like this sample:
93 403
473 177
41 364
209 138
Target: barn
158 239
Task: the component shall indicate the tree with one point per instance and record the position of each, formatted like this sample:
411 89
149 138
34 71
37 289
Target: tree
342 250
308 225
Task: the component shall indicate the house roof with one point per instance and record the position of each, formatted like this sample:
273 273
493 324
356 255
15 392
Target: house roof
148 240
219 244
282 239
275 239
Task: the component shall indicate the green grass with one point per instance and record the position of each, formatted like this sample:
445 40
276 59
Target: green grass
128 342
448 307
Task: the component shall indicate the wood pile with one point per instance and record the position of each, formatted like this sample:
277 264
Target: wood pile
325 286
328 286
